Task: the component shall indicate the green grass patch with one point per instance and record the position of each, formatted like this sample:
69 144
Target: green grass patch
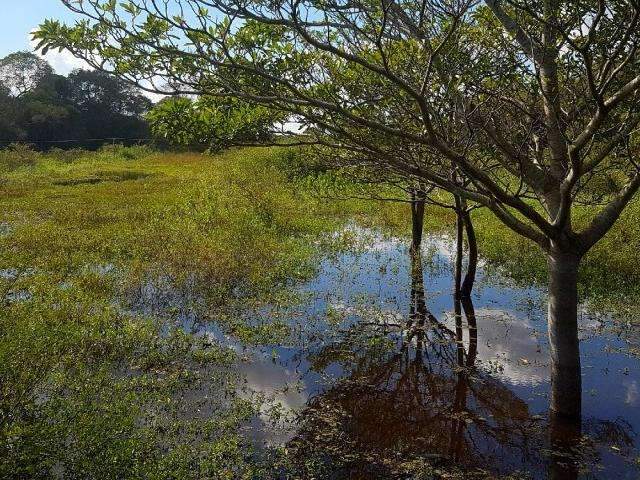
609 277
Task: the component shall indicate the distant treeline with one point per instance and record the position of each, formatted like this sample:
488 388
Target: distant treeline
85 109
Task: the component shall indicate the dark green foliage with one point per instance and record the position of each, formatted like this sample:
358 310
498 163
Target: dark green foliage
48 110
106 106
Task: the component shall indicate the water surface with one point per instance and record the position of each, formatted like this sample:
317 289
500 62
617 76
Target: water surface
379 368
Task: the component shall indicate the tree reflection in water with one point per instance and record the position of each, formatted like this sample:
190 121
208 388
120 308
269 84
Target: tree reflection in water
414 397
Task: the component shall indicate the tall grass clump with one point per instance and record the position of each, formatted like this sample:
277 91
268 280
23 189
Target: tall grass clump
18 155
126 152
67 155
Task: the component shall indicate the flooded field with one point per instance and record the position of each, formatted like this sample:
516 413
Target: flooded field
371 366
203 321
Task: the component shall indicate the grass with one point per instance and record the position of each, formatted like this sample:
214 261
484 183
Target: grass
92 386
609 276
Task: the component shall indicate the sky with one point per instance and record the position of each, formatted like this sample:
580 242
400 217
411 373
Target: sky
19 17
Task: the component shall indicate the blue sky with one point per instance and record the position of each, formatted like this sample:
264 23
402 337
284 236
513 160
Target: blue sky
19 17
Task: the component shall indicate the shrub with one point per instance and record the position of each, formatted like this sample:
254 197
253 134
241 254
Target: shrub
66 156
298 163
133 152
18 155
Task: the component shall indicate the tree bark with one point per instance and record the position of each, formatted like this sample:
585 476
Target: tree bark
472 244
417 219
564 437
457 274
563 334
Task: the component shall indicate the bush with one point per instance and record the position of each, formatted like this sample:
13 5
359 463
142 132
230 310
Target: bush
67 156
298 163
133 152
18 155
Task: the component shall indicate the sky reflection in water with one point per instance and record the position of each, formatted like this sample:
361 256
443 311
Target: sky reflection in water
349 379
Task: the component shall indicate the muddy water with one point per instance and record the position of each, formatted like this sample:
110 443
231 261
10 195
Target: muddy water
380 369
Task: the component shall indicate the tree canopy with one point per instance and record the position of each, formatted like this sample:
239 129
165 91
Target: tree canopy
22 72
211 122
48 110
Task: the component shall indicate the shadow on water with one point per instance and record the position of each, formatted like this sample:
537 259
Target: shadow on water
382 371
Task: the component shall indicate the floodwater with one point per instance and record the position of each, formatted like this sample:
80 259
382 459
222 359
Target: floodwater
380 369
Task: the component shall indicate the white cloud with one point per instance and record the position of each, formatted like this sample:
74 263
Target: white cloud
510 347
154 97
62 62
292 127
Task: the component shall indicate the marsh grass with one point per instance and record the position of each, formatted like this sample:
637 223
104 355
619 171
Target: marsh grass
94 385
17 155
609 277
93 388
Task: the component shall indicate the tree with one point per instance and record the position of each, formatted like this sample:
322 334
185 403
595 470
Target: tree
22 72
107 106
9 130
343 144
47 109
39 114
211 122
544 98
32 108
90 89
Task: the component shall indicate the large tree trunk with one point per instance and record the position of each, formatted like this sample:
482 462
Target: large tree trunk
563 334
417 219
472 244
